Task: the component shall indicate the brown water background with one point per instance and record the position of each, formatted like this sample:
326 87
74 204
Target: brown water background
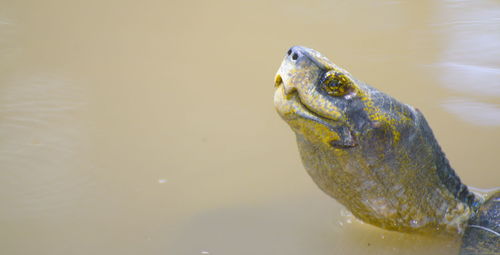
148 127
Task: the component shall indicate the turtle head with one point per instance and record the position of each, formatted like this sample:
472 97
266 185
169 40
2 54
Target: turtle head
374 154
312 94
326 104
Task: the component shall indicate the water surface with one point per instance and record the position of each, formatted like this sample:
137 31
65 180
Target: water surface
148 127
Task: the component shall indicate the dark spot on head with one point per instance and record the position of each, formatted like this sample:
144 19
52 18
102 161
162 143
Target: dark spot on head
347 141
289 52
295 56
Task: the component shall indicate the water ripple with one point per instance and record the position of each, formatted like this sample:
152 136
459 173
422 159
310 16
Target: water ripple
475 112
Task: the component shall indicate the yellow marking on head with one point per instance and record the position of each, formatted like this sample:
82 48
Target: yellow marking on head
377 116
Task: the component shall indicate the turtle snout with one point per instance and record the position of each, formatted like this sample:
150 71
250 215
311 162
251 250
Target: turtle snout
295 53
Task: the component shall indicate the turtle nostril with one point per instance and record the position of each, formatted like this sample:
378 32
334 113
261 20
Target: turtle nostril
295 56
289 52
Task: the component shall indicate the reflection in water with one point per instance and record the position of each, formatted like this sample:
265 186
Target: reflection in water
470 61
470 78
475 112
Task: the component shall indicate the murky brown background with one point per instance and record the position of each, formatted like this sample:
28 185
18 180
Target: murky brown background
148 127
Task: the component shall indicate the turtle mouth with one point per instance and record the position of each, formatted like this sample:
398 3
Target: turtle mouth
290 106
301 110
310 114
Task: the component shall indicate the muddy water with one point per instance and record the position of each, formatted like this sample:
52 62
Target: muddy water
148 127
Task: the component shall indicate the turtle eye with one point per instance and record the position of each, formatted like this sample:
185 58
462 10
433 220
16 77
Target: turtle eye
336 84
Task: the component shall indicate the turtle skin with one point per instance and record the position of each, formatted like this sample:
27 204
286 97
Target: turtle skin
482 236
378 156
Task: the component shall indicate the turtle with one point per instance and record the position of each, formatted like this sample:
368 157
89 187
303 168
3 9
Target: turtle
378 156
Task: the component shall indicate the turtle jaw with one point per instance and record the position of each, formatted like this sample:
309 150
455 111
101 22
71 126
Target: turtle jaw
301 101
290 107
301 72
306 122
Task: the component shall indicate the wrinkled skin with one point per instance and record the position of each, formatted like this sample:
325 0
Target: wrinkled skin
375 155
482 235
